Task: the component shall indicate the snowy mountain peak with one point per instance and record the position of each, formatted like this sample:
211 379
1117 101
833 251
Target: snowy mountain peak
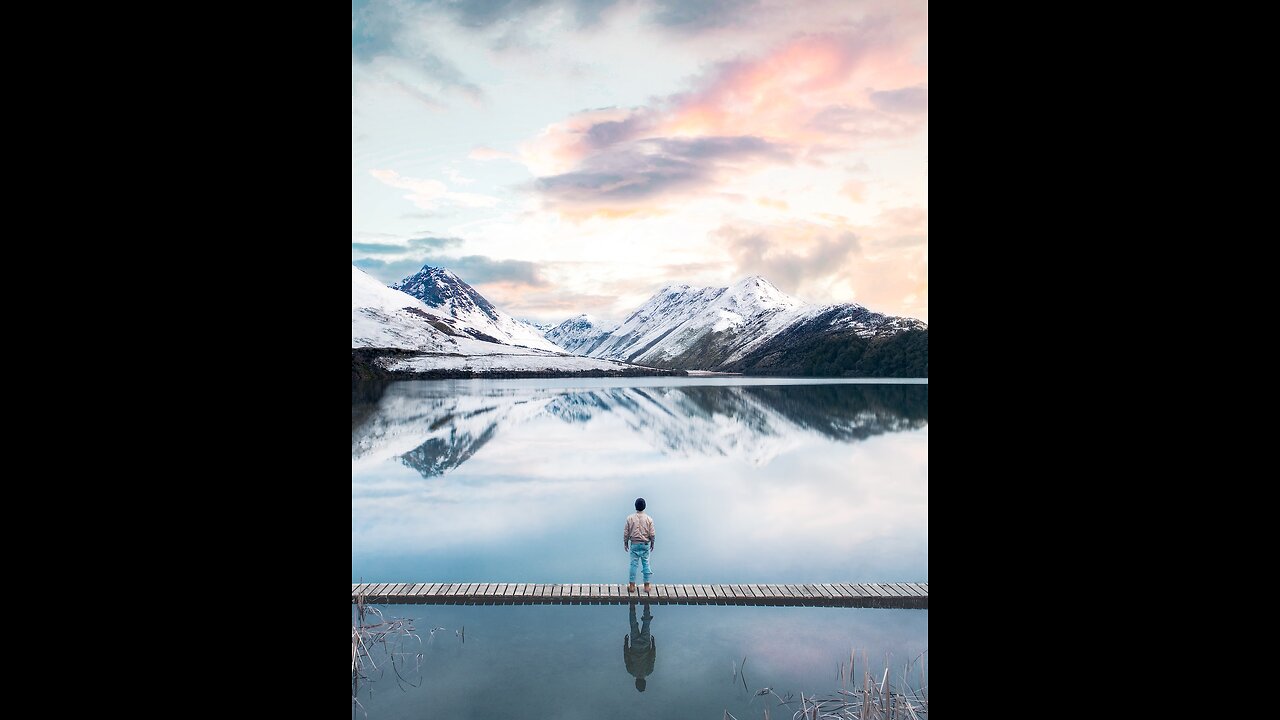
703 328
579 334
543 328
673 299
443 291
582 321
759 283
440 288
757 293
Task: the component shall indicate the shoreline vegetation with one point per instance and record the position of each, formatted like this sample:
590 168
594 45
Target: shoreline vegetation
375 646
371 364
875 695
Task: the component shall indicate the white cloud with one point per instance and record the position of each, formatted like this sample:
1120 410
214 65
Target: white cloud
431 194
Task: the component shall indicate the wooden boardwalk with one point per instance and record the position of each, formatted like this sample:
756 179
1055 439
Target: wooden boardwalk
882 595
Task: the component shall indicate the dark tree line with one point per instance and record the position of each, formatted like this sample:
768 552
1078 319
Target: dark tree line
842 354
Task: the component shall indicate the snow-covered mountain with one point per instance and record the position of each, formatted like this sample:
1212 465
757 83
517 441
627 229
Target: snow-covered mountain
386 319
467 311
579 334
708 328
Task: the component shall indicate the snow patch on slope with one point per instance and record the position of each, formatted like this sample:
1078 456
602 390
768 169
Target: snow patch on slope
580 334
386 318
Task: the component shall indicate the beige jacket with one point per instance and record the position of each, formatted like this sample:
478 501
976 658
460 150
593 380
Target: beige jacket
639 528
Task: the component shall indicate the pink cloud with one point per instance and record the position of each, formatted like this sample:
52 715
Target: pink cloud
779 93
485 154
560 146
810 97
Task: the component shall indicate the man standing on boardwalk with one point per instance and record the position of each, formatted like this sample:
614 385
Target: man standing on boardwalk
637 538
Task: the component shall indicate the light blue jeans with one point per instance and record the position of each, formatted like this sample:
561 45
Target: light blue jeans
640 554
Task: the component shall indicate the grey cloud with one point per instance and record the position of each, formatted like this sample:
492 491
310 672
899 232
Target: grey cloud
473 269
435 242
376 248
484 13
388 272
375 22
425 98
446 73
722 147
518 40
908 100
861 122
652 167
588 12
756 253
604 134
700 14
421 243
375 27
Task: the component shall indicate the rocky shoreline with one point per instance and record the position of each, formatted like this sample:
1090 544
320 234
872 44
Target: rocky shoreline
365 366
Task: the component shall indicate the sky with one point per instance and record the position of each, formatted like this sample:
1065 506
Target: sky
575 156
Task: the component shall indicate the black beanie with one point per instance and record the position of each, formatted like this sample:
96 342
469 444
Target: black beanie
639 504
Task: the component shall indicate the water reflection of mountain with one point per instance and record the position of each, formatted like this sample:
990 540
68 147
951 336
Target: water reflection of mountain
434 432
848 412
364 402
439 455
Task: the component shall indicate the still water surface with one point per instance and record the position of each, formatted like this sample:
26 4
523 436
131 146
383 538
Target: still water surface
748 480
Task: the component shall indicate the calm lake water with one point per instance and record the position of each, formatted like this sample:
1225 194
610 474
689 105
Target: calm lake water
747 480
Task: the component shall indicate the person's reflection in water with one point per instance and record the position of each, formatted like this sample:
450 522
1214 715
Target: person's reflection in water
638 649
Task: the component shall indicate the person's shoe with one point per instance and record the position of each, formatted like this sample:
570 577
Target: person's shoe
631 587
646 587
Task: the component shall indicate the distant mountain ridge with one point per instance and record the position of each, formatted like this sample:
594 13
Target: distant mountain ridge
397 335
750 326
580 334
433 324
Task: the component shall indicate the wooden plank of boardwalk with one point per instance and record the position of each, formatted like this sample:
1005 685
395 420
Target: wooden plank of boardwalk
895 595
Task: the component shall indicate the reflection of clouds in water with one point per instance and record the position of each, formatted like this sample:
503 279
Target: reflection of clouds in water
534 478
563 661
805 649
822 505
863 497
